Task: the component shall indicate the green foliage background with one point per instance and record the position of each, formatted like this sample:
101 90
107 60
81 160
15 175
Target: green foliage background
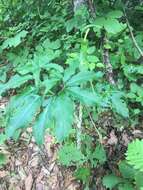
51 62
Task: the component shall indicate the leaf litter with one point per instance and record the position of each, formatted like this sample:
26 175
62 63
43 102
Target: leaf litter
30 168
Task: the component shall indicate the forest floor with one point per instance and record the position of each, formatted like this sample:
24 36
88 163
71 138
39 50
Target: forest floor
30 168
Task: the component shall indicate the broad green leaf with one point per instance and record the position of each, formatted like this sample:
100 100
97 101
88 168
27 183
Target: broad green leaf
135 154
53 66
3 74
22 113
63 110
69 72
114 14
49 84
100 65
91 50
17 100
113 26
52 44
83 77
3 159
41 123
85 96
126 170
119 104
100 154
14 82
3 137
110 181
15 41
55 44
42 61
139 179
92 58
70 24
83 174
131 71
25 69
126 186
99 22
36 77
137 92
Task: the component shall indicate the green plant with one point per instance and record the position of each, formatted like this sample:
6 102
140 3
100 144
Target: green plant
50 92
3 159
129 178
134 154
69 155
130 169
62 68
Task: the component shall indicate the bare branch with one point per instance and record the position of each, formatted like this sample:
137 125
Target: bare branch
96 129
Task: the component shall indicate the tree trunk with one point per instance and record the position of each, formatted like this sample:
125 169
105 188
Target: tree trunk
106 61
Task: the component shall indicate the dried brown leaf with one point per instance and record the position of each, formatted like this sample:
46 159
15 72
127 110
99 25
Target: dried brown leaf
29 182
112 139
3 173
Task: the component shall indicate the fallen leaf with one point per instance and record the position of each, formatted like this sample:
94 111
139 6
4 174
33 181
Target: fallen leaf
34 161
125 139
112 139
39 186
3 173
29 182
137 133
18 163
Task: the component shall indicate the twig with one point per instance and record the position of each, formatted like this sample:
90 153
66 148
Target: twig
92 122
132 36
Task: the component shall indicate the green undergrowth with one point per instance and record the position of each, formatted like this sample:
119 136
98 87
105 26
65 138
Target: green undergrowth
52 70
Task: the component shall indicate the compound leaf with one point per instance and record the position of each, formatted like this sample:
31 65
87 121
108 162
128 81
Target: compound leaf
84 76
22 112
14 41
14 82
63 110
119 104
85 96
41 123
